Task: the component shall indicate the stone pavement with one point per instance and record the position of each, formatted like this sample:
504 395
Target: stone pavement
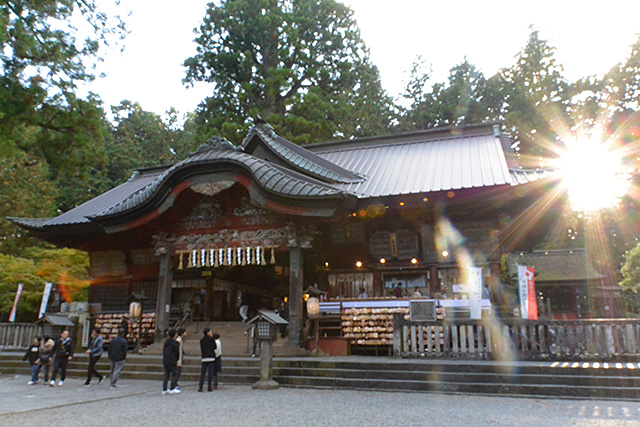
140 403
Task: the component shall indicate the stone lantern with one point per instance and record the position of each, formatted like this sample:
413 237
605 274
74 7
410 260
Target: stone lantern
266 325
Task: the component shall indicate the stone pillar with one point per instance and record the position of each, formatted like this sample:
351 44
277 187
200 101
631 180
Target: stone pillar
265 382
296 281
163 304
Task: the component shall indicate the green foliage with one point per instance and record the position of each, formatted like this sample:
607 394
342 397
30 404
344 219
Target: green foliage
462 101
25 191
301 65
535 94
141 139
66 268
630 270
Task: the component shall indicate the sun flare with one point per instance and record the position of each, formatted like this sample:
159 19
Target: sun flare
594 175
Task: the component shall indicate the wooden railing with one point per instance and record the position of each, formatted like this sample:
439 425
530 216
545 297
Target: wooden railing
18 336
519 339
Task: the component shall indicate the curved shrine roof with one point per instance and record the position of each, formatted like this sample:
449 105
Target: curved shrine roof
412 163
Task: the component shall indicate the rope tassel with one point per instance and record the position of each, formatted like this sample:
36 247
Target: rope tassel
180 260
262 260
273 255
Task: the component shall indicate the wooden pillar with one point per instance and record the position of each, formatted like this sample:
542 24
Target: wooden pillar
163 303
434 282
296 260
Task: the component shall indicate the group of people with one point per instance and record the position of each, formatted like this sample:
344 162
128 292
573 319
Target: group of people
172 359
44 352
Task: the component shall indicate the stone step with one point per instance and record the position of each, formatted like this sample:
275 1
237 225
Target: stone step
542 379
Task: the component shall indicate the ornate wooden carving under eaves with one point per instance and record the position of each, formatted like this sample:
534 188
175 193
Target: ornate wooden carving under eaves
162 243
208 209
228 238
248 209
300 235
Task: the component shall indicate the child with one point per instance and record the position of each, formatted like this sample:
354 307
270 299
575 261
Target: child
33 354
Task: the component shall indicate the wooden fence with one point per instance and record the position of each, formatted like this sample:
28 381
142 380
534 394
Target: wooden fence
18 336
520 339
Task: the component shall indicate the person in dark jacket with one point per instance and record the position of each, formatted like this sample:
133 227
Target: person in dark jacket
208 351
62 353
170 356
94 352
33 355
117 355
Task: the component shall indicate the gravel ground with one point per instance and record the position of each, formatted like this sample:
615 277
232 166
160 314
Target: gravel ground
140 403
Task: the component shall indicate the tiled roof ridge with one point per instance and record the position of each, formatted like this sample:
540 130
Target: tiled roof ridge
488 129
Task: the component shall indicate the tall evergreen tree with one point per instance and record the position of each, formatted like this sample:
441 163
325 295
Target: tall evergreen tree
460 101
301 65
535 94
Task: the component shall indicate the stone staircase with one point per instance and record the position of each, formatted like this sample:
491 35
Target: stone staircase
233 337
584 380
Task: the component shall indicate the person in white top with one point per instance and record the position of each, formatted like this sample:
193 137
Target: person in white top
416 293
217 365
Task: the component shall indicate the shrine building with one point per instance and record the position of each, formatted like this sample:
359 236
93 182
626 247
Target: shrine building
233 226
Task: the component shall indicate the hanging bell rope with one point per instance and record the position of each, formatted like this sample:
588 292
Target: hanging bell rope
273 255
180 260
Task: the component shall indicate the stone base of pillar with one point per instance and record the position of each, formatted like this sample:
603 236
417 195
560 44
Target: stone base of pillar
265 385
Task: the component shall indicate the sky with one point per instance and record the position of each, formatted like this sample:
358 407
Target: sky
590 37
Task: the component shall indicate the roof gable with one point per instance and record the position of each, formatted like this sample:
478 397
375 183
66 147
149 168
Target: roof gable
294 156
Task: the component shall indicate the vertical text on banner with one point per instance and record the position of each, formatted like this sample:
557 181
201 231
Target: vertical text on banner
475 292
12 316
45 299
528 302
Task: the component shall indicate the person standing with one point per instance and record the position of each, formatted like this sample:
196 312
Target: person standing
117 356
62 353
46 350
208 353
182 335
397 292
170 355
94 352
217 368
33 354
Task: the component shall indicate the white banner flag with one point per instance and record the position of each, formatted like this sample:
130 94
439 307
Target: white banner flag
12 316
45 299
475 292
